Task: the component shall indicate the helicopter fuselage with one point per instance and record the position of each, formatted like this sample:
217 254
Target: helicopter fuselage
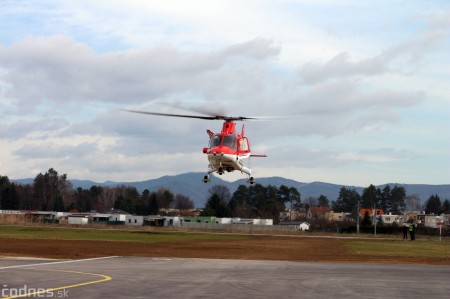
227 150
220 162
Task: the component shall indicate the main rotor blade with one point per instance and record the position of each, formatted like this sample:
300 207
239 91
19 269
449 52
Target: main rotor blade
172 115
209 110
214 117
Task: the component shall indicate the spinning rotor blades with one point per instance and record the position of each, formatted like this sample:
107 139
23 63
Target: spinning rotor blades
211 117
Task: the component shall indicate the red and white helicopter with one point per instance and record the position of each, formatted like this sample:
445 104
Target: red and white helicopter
227 150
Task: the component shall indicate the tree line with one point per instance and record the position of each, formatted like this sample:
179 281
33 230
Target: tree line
53 192
256 201
391 200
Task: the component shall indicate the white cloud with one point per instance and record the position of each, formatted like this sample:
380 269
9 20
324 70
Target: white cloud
351 78
58 69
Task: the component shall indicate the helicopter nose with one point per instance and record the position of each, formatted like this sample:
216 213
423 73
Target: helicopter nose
220 150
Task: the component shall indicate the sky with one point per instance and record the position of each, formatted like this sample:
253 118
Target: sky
357 92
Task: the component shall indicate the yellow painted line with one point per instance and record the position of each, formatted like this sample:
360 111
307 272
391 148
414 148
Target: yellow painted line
57 262
104 278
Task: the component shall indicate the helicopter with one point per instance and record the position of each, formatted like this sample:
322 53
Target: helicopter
227 150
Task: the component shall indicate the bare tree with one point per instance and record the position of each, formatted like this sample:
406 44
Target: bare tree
106 199
222 191
310 201
183 203
412 202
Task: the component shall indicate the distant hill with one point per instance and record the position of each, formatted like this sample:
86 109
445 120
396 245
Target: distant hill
190 184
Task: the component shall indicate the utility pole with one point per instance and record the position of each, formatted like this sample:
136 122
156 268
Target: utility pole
357 217
375 219
290 211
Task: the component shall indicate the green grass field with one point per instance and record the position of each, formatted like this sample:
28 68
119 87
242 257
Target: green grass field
429 247
419 248
141 236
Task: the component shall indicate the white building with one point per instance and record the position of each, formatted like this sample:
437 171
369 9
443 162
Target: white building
79 219
432 220
225 220
133 220
118 215
296 225
176 221
60 215
263 221
100 217
390 219
304 226
238 220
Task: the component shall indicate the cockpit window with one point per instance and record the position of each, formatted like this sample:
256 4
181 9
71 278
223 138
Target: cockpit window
215 141
230 141
243 144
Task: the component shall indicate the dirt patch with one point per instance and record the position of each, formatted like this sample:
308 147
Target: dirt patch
253 248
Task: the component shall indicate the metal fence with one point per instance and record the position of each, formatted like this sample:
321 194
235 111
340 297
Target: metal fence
240 227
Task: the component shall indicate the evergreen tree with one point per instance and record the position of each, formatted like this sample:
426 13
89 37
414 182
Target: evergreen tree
95 193
369 197
120 203
126 201
9 199
47 187
295 197
58 205
82 200
323 201
25 197
239 202
385 198
140 207
446 207
153 204
290 196
216 206
367 219
165 198
347 201
433 205
4 185
397 204
273 204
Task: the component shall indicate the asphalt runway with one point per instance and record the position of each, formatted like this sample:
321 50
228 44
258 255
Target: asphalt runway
140 277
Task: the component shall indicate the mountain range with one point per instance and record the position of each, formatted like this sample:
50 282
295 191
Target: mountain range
190 184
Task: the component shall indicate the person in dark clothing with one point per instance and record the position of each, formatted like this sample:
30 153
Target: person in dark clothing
412 231
405 232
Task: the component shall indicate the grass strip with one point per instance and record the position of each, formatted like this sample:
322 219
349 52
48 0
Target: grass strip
16 232
419 248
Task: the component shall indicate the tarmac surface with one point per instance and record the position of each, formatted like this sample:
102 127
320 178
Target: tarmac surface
143 277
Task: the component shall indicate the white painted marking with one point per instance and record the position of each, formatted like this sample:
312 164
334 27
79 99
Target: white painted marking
161 259
18 258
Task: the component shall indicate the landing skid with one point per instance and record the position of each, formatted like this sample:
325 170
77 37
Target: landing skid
207 179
